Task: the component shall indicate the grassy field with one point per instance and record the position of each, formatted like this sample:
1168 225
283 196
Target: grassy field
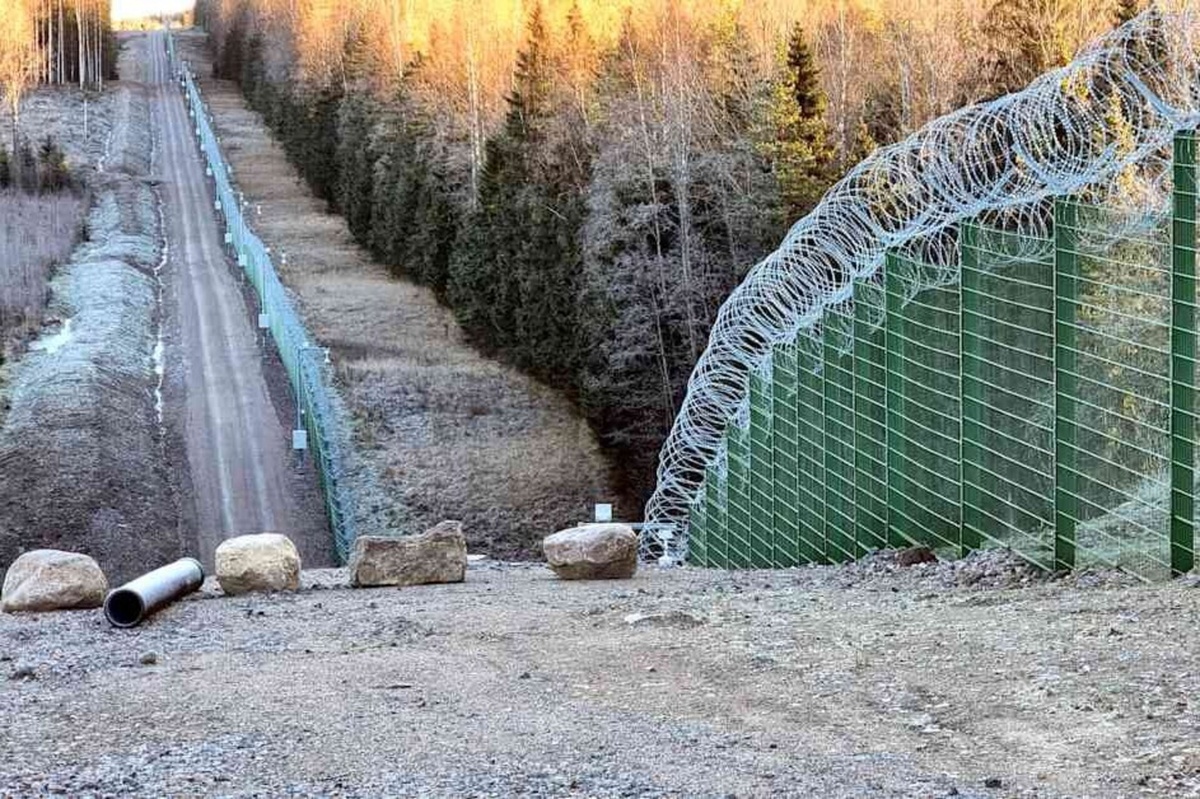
449 433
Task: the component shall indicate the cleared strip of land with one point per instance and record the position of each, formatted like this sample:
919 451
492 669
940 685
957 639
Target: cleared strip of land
242 473
443 431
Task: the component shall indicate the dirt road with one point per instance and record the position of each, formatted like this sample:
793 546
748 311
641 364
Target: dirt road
241 470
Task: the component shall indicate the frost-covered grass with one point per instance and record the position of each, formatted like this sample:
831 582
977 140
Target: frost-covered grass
36 233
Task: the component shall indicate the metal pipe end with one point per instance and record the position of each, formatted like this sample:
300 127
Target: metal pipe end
199 567
124 608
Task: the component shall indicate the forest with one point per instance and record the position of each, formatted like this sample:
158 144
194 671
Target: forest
582 182
53 42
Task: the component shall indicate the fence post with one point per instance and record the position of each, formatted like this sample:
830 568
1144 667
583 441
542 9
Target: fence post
870 423
785 502
893 326
970 389
1183 355
762 520
1066 272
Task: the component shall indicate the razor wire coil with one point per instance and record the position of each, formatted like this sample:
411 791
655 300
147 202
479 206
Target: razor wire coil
1096 129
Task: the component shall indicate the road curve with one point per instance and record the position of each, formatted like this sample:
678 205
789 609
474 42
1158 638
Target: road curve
242 472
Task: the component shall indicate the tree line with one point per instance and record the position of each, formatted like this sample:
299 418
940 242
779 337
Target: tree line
583 183
54 42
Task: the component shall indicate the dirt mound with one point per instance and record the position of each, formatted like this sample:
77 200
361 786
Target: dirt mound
82 453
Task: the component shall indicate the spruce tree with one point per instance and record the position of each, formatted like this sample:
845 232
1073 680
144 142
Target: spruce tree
1127 10
53 174
355 164
514 274
797 137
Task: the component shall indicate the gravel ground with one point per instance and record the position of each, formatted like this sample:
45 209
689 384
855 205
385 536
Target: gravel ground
974 679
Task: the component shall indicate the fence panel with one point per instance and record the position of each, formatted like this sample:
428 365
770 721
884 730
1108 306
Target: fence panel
785 503
1114 344
1007 289
1183 356
810 458
716 502
1045 402
838 373
738 497
870 420
762 510
924 427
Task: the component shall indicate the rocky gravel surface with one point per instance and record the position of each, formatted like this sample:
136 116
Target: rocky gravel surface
978 678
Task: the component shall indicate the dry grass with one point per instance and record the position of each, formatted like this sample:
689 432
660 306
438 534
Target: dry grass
36 233
450 433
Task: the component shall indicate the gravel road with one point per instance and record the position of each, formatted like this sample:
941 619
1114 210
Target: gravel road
975 679
243 477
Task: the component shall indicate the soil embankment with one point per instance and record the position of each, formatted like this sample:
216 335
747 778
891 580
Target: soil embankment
441 431
83 461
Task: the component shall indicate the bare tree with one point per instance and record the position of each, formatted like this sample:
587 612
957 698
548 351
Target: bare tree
19 56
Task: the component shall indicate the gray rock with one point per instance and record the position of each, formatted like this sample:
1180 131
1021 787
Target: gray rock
439 555
23 672
593 552
50 579
262 562
674 618
914 555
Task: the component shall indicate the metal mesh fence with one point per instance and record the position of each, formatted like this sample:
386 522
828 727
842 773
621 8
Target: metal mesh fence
1041 399
1097 130
321 418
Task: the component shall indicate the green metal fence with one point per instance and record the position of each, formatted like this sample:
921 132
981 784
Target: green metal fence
1044 402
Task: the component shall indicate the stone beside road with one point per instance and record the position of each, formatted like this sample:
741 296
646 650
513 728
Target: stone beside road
50 579
439 555
263 562
593 552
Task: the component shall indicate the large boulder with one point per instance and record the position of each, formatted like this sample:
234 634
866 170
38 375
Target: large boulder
262 562
50 579
438 555
593 552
